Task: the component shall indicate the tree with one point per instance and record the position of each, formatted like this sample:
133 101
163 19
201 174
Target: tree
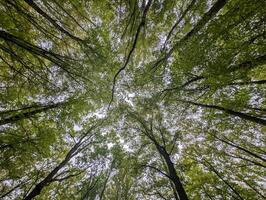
174 91
161 147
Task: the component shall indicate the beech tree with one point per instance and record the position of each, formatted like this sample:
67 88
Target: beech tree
137 99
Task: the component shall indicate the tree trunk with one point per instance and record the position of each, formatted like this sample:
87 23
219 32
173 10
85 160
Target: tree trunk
229 111
25 115
51 20
241 148
49 178
172 174
53 57
202 22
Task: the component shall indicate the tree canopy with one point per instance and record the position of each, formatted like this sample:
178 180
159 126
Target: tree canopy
133 99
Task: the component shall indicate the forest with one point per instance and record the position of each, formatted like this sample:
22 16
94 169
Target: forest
132 99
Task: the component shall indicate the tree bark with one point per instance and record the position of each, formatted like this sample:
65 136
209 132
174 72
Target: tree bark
172 173
51 20
229 111
241 148
50 177
53 57
25 115
202 22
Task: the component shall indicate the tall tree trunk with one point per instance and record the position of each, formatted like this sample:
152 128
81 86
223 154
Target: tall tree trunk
53 57
229 111
172 173
49 178
25 115
202 22
51 20
241 148
218 5
61 61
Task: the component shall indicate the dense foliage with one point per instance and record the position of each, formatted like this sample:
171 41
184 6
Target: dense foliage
133 99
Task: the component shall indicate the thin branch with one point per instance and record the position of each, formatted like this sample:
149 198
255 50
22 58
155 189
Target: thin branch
178 21
66 177
220 176
158 170
141 25
219 4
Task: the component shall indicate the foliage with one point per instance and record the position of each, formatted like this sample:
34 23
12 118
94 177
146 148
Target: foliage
138 99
